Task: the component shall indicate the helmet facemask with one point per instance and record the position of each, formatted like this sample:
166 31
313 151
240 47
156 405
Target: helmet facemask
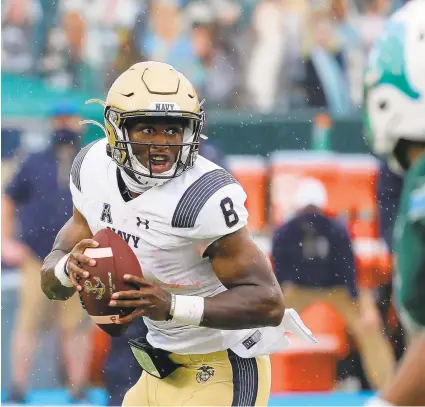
123 151
401 151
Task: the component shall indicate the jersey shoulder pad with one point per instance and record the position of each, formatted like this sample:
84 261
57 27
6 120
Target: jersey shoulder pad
197 195
213 206
87 155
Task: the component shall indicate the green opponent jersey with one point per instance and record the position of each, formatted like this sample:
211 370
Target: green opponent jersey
409 239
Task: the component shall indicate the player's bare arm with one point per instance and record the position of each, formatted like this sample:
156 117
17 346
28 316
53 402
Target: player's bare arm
253 299
73 238
407 388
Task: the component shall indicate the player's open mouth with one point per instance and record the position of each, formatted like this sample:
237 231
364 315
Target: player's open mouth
160 163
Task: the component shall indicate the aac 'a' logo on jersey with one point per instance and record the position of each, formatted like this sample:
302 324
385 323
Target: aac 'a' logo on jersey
106 213
204 373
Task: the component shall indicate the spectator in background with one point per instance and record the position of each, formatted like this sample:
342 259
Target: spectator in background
39 198
295 13
314 261
168 41
219 86
216 40
109 25
267 54
371 24
128 55
64 65
357 34
17 26
325 79
352 52
225 14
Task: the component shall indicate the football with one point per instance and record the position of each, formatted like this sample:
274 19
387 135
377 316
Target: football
114 258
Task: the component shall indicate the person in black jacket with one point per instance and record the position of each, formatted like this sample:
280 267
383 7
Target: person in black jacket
314 261
121 370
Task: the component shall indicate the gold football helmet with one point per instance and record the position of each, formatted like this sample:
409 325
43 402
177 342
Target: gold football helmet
151 89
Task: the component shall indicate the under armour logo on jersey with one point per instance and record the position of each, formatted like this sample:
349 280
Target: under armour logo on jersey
106 213
144 222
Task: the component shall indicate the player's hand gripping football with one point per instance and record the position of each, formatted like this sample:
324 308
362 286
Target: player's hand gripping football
149 300
77 261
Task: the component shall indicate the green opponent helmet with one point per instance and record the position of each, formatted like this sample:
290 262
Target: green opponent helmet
394 83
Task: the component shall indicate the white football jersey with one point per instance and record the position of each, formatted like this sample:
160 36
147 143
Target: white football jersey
168 227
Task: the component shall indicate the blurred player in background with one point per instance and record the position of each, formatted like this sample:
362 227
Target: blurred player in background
35 205
208 292
395 123
388 193
314 261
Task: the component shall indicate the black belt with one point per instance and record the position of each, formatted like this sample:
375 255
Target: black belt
153 361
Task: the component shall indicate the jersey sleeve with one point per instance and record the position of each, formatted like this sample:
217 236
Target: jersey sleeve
76 182
211 208
223 213
78 199
416 206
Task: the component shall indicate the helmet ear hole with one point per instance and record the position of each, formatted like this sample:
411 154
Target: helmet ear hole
119 155
383 104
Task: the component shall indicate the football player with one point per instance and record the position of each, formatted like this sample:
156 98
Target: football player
207 286
395 122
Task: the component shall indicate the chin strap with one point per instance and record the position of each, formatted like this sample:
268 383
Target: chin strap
133 185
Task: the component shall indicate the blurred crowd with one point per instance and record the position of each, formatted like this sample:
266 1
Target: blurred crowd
254 54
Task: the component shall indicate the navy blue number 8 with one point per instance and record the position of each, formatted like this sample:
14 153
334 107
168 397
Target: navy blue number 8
230 215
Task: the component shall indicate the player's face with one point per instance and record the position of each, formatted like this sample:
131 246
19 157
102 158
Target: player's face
164 139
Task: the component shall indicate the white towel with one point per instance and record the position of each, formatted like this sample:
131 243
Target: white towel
269 340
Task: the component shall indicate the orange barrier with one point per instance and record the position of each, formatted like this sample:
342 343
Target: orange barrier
323 319
385 265
101 345
314 370
350 181
357 193
312 367
251 173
